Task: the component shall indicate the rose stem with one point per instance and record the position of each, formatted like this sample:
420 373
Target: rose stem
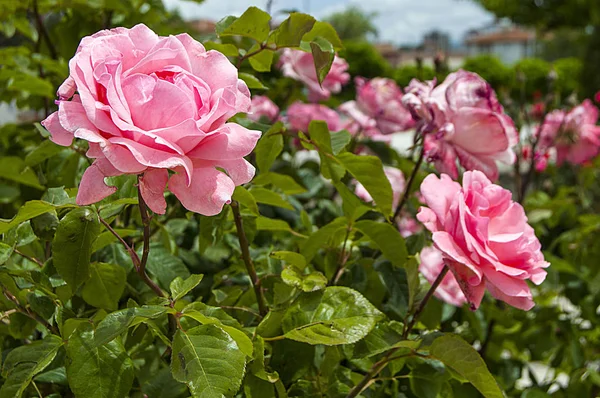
409 184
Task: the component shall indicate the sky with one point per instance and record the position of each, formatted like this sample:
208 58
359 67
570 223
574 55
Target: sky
398 21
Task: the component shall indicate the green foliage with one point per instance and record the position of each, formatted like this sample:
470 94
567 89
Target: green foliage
492 70
533 74
405 74
364 59
569 75
353 24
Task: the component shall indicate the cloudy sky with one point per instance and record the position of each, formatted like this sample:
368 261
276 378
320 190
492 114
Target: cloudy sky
399 21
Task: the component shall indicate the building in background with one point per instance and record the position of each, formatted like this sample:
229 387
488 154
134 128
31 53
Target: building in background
503 39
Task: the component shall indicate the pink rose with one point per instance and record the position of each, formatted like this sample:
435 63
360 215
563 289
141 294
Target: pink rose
574 134
262 106
378 107
462 119
299 116
407 225
432 263
299 65
397 181
484 238
149 104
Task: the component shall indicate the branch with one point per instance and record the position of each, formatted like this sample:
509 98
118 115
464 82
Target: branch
239 224
409 184
25 311
33 260
141 270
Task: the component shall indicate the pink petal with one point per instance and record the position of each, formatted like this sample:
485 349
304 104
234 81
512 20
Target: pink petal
92 187
521 302
208 191
58 134
152 186
439 194
479 131
445 243
231 141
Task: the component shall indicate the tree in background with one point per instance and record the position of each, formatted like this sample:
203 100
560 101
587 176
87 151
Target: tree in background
353 24
550 15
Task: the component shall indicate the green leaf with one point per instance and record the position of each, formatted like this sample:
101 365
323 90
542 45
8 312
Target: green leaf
163 385
396 282
243 196
368 170
15 169
208 360
339 140
31 84
292 258
73 245
5 252
383 337
28 211
43 151
311 282
269 147
461 357
107 237
323 55
252 81
325 236
119 321
320 136
386 238
24 362
164 265
290 32
97 371
253 23
353 207
227 49
262 60
326 31
179 287
105 286
268 197
336 315
272 224
287 184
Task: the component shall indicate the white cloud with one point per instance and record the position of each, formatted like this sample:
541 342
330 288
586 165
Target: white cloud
398 21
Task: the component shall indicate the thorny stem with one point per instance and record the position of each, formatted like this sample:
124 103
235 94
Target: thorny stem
342 260
239 224
411 180
33 260
25 311
378 366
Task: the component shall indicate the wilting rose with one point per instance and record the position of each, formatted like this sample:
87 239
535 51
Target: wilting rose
574 134
299 65
299 116
262 106
378 107
397 181
484 238
432 263
462 119
148 104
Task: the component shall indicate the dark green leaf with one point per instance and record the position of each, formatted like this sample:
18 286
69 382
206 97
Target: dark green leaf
245 198
387 238
290 32
287 184
105 286
326 31
179 287
268 197
15 169
119 321
269 147
323 55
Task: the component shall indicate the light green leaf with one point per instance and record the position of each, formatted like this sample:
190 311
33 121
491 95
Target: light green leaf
252 81
119 321
179 287
271 224
311 282
15 169
339 140
336 315
227 49
387 238
461 357
253 23
368 170
292 258
244 197
323 237
24 362
43 151
268 197
269 147
321 137
97 371
72 245
383 337
287 184
290 32
105 286
208 360
262 60
326 31
28 211
5 252
323 55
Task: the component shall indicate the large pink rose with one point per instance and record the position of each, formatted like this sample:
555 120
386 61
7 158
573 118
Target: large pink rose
300 65
378 108
574 134
397 182
484 238
262 106
299 116
462 119
148 104
432 263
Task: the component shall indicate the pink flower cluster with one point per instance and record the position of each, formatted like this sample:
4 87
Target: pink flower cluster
378 108
573 134
148 104
300 65
484 238
462 119
261 106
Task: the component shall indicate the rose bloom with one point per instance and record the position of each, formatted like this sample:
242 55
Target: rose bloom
299 65
299 116
432 263
462 119
378 107
148 104
484 238
262 106
574 134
